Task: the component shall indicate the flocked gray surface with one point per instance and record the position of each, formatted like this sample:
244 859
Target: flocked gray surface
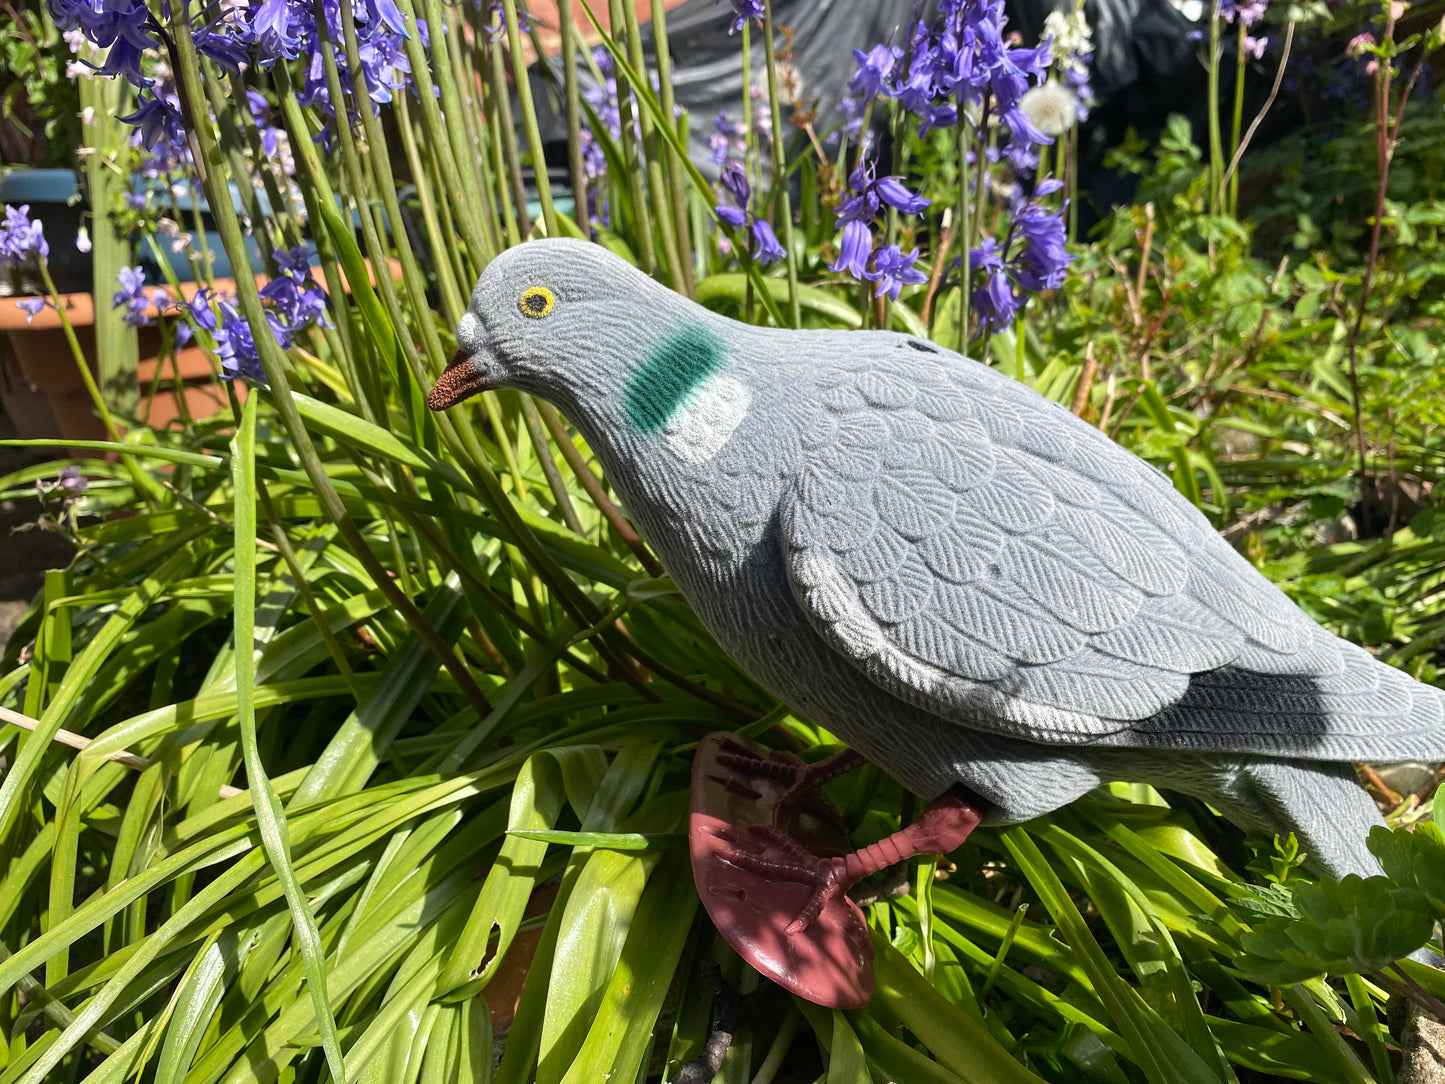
956 576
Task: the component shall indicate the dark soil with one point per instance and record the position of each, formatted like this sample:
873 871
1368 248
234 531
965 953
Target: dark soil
24 555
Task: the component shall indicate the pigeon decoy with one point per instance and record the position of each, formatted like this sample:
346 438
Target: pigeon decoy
962 580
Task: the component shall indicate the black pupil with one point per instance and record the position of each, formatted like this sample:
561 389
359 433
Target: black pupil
536 302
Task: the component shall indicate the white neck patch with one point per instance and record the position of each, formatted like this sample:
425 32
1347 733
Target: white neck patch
702 425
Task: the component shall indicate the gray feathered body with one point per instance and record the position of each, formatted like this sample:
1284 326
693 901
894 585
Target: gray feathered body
970 585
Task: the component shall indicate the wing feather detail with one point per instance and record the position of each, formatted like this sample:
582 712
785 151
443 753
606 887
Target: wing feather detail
981 553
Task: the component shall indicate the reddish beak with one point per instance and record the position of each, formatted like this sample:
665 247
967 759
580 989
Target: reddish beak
459 380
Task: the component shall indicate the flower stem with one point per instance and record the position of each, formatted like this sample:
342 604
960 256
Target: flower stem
571 94
1216 144
964 230
143 484
529 117
676 191
652 152
273 362
780 179
1238 120
449 139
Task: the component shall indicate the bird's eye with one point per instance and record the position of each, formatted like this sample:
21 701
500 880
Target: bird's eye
537 302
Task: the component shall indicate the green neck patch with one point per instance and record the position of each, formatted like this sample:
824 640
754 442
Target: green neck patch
683 361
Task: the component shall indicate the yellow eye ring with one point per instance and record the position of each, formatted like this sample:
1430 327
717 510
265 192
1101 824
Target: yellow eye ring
536 302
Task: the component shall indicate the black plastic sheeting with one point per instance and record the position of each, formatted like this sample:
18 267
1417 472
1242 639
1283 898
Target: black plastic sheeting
707 73
1147 65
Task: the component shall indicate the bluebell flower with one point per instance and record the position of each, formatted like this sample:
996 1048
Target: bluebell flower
872 195
199 308
1023 138
20 238
994 301
854 250
122 26
1033 258
223 43
875 68
735 180
261 114
131 296
386 67
160 129
296 301
127 50
743 10
31 306
726 138
891 191
236 347
1248 13
1044 262
389 15
892 271
766 249
961 59
72 481
499 31
275 28
852 113
603 99
594 159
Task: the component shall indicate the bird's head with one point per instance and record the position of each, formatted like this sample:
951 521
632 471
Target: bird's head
563 319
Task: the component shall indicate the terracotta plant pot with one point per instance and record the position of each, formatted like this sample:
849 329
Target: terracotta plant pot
45 396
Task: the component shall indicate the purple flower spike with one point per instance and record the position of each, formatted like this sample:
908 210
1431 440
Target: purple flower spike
853 252
892 271
1040 263
1248 13
20 238
731 215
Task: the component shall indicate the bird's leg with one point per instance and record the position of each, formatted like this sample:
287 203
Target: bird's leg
943 827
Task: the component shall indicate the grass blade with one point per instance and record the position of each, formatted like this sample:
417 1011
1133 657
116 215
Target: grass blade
270 817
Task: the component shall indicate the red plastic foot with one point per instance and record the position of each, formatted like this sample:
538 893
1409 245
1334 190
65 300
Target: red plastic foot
769 858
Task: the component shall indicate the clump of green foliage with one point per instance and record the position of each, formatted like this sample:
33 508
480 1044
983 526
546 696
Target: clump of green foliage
355 732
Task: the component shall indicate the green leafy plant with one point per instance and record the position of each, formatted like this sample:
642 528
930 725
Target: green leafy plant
356 741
